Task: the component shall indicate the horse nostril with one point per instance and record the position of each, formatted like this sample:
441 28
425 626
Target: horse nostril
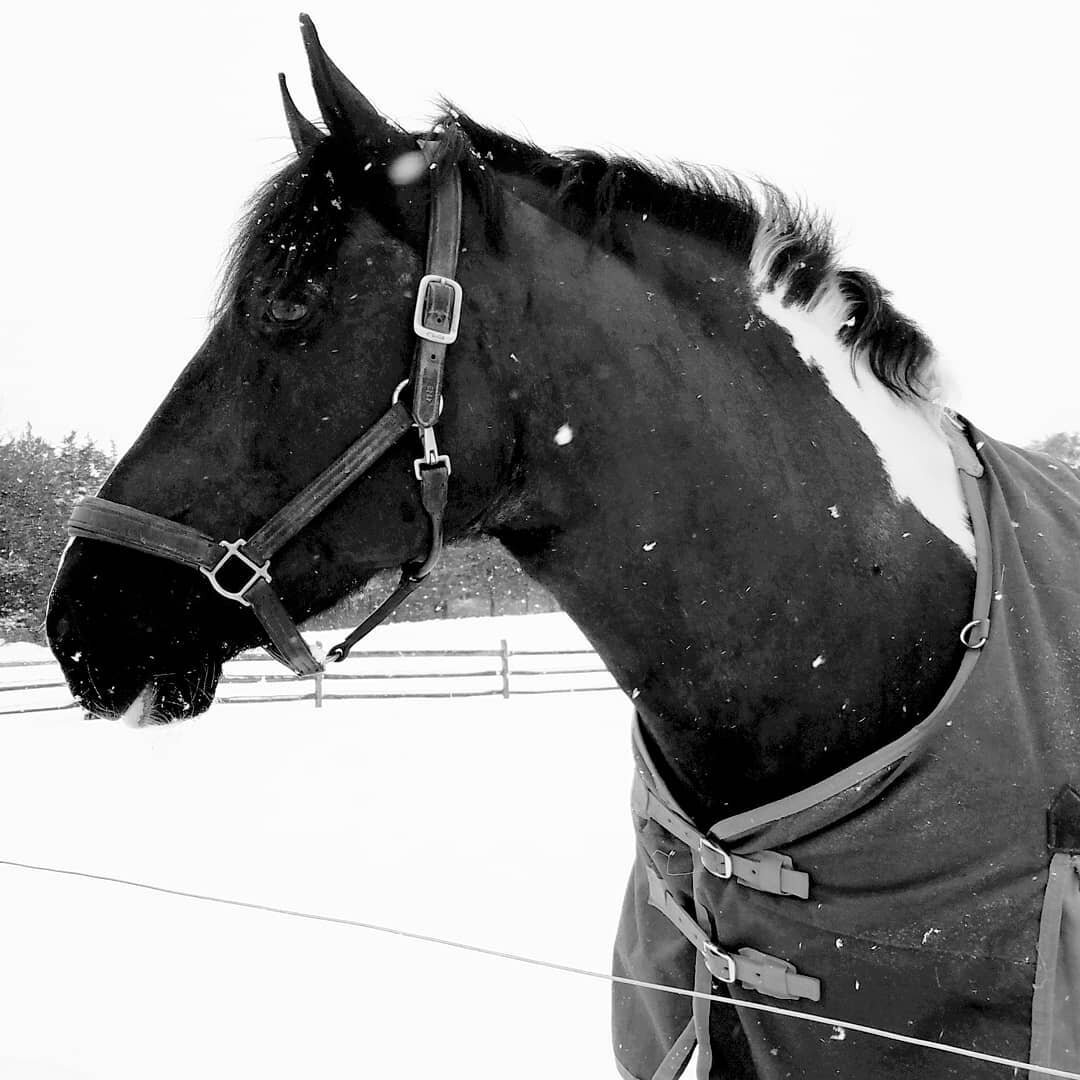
64 639
59 628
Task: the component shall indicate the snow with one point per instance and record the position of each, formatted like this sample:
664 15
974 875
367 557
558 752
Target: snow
501 823
407 169
22 651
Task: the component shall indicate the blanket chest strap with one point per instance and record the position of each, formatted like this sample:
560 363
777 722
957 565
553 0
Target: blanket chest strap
751 968
765 871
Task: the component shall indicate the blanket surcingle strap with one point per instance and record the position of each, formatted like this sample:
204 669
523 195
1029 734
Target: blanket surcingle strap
926 889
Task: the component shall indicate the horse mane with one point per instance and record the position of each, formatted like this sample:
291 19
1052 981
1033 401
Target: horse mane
788 248
294 224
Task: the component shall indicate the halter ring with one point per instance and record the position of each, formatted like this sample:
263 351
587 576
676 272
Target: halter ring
232 551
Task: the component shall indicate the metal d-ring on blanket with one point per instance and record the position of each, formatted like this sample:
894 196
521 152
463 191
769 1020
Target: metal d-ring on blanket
968 631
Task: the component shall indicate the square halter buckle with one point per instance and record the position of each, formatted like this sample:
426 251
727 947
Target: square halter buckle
438 309
232 551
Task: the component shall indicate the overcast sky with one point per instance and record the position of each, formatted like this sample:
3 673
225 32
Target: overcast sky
939 136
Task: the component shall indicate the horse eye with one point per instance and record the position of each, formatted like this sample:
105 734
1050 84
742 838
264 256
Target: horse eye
286 311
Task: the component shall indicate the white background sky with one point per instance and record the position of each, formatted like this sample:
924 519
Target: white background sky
939 136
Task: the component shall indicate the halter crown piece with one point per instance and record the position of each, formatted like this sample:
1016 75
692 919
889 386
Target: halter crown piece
245 562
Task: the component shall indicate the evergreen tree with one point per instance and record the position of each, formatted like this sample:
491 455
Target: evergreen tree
39 485
1064 445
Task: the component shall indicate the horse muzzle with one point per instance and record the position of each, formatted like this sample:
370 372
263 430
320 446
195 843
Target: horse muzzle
117 661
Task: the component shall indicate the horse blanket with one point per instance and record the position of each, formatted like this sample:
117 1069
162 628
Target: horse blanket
931 889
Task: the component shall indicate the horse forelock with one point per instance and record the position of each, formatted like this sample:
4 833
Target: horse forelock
292 225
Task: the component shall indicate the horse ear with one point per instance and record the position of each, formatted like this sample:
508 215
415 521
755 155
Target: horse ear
304 133
346 111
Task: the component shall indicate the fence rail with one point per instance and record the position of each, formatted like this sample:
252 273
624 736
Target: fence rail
395 675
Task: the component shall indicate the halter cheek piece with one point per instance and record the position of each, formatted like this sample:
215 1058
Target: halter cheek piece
247 561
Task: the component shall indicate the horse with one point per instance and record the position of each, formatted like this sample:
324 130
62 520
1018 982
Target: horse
726 456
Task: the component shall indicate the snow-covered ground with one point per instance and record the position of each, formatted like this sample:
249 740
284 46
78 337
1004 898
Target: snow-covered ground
502 823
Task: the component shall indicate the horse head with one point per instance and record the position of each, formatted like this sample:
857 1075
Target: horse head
313 341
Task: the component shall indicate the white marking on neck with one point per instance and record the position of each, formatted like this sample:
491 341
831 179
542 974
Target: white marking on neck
907 434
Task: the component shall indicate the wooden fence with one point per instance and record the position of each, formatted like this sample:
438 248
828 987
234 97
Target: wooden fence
403 673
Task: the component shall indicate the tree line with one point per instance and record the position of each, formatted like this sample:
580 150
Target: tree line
40 483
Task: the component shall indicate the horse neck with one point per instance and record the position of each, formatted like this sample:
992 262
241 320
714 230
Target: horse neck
720 525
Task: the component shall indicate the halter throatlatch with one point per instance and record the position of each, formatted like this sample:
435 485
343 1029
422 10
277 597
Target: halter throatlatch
239 569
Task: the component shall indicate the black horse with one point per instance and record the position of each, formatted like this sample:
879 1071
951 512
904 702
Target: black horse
722 453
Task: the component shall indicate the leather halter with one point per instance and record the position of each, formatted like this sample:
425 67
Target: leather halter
435 323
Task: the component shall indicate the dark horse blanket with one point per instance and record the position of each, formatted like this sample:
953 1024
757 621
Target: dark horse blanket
941 874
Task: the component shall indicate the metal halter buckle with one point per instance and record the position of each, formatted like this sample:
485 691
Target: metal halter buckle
726 867
438 309
232 551
713 954
431 453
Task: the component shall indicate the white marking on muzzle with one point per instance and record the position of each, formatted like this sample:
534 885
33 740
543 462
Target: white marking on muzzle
138 712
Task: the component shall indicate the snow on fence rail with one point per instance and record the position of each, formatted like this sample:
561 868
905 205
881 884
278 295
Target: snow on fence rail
398 673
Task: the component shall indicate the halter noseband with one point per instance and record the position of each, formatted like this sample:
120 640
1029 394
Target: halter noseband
435 323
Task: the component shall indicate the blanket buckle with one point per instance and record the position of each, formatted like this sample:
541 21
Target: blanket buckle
721 965
726 867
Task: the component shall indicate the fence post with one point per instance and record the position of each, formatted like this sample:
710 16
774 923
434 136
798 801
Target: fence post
504 670
320 654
